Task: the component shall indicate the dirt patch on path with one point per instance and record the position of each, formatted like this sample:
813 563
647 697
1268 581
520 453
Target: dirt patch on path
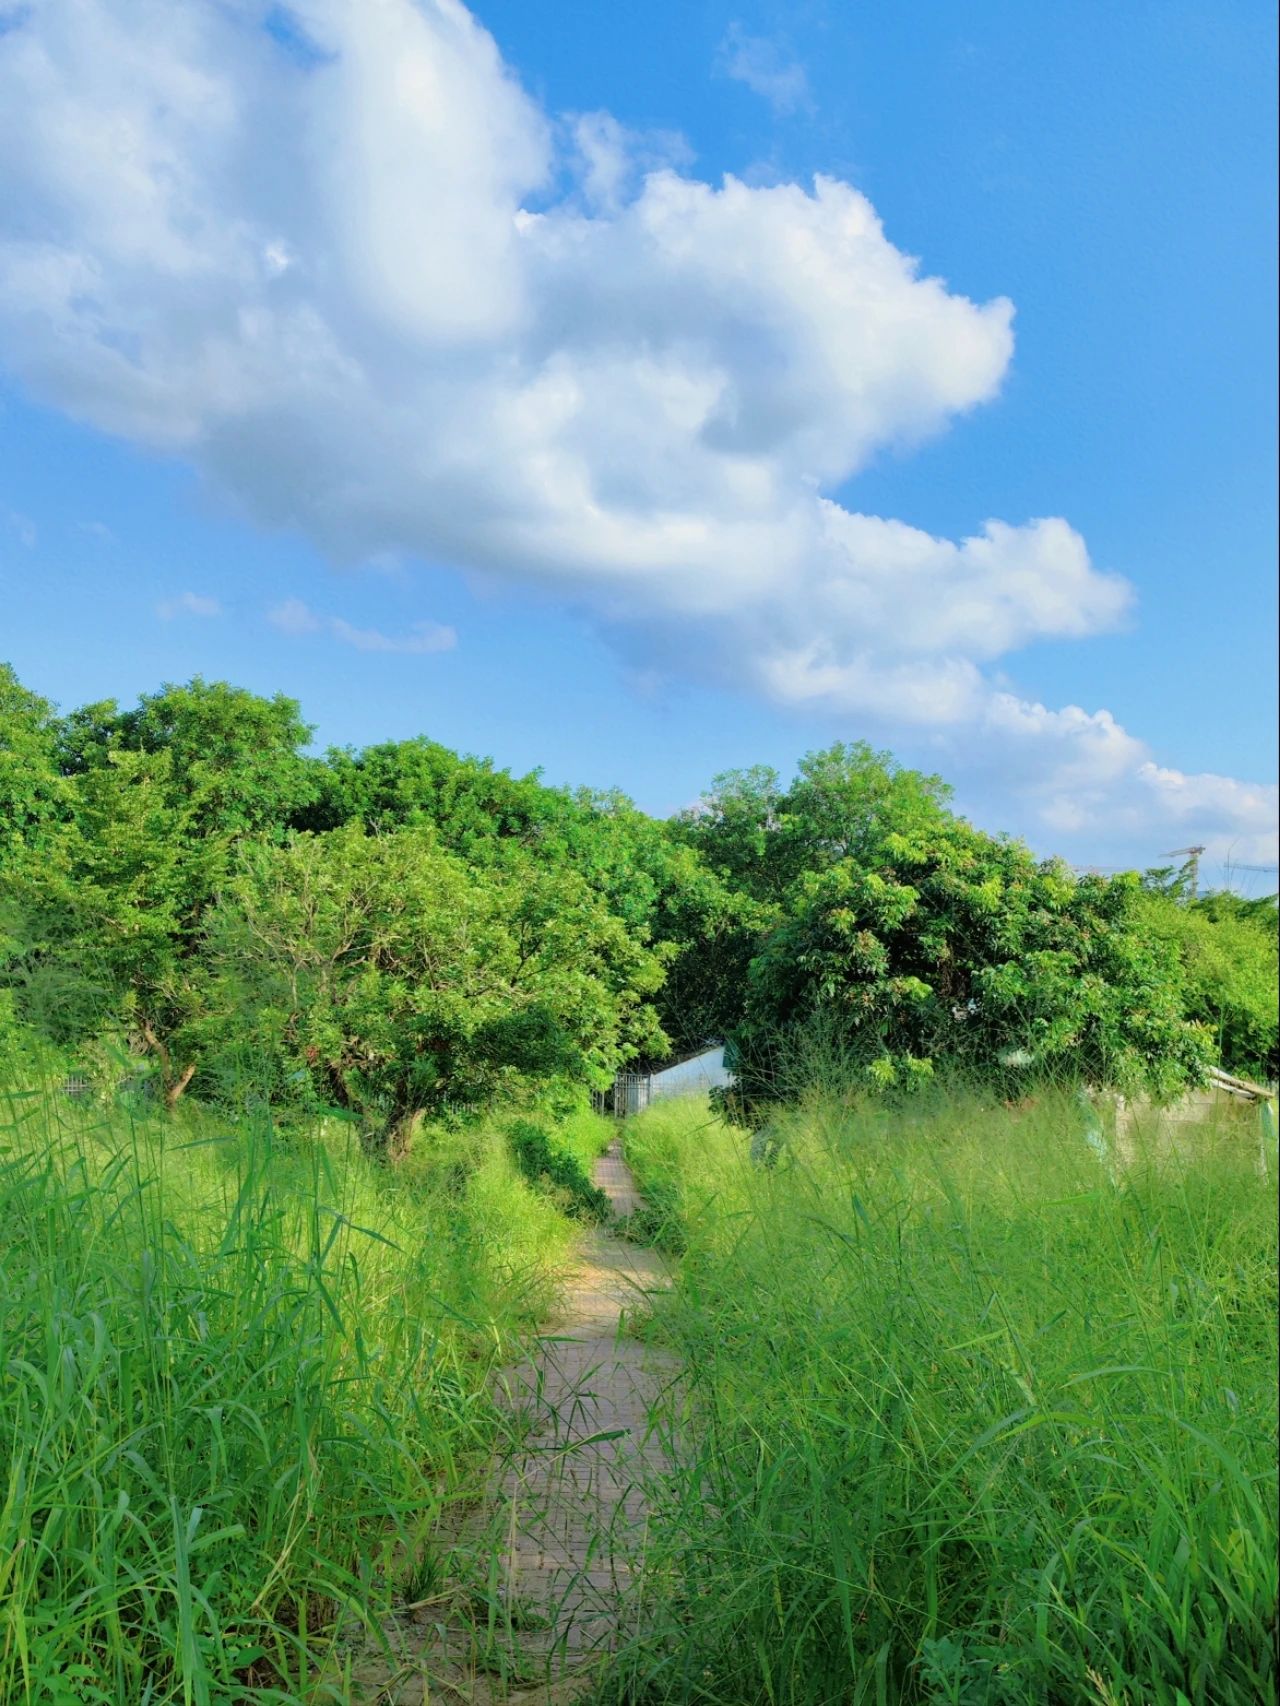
560 1542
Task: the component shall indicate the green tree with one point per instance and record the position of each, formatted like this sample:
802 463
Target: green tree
735 828
647 876
764 840
394 979
394 784
664 892
236 758
711 932
33 796
945 945
847 798
1227 950
109 902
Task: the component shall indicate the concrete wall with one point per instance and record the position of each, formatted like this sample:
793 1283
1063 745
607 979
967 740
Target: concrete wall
1200 1118
691 1077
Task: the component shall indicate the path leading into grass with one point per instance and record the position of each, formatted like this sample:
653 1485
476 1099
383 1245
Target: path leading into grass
565 1523
575 1506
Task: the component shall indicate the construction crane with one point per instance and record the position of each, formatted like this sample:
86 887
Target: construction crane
1193 864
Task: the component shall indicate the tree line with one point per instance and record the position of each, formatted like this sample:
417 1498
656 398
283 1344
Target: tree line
191 895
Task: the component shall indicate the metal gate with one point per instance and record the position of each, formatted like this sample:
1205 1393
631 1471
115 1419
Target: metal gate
631 1092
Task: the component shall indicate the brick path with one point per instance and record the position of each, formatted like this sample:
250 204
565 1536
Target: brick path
576 1512
565 1524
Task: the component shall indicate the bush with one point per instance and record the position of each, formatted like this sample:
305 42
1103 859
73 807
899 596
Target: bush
556 1169
1228 953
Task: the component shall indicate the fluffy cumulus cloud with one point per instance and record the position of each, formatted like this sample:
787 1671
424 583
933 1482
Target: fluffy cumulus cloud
1090 781
336 257
1236 821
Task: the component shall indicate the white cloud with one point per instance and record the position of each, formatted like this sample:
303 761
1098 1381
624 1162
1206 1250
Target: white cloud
611 158
187 604
639 405
424 637
1236 819
296 618
1090 781
376 294
765 67
276 258
932 611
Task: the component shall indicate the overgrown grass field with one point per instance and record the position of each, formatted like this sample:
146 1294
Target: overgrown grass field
965 1420
969 1415
244 1378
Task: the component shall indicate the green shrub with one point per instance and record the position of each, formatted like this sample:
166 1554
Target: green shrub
553 1167
1230 966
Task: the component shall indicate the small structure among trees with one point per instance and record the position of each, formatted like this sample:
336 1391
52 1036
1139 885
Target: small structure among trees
692 1076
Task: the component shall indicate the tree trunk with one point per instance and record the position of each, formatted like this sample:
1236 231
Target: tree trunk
173 1092
171 1087
400 1133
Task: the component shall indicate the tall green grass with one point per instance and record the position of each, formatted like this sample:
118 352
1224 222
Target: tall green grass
243 1383
963 1420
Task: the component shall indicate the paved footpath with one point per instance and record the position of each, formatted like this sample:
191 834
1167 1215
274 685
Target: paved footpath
568 1508
576 1510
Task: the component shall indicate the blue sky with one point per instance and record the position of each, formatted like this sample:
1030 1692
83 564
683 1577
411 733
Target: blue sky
646 557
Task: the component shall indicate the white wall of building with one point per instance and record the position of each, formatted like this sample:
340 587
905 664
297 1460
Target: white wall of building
691 1077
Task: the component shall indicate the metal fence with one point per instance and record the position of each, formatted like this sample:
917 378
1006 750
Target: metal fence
632 1092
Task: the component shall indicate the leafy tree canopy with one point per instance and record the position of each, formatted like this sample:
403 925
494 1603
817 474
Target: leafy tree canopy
658 886
104 909
764 839
945 945
1227 953
32 794
235 756
403 929
392 980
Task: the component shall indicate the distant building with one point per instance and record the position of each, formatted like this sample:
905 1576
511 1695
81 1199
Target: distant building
694 1076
